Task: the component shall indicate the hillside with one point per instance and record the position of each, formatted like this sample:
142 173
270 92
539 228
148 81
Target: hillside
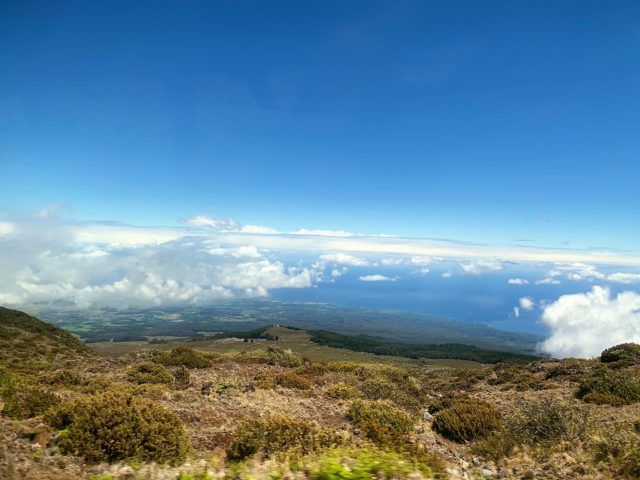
100 325
25 340
230 409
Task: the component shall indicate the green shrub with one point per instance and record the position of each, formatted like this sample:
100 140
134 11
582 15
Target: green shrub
22 398
181 377
604 399
378 387
517 377
546 422
282 357
623 384
365 464
116 426
280 434
183 356
630 463
64 377
149 372
625 354
293 380
495 446
570 368
381 421
343 391
467 419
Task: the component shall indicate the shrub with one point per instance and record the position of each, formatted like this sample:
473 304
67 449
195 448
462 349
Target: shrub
495 447
546 422
23 399
381 421
64 377
604 399
280 434
378 387
182 377
625 354
293 380
343 391
365 464
623 384
149 372
182 356
282 357
630 463
116 426
467 419
515 376
570 368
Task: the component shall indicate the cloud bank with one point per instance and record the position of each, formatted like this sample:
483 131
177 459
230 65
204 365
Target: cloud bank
584 324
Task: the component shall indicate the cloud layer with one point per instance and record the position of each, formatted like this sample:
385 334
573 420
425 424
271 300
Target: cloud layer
584 324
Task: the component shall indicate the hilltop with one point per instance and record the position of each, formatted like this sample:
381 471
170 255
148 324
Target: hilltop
274 405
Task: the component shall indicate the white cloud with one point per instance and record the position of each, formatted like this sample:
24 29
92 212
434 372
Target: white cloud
624 277
517 281
393 261
322 233
204 221
516 311
344 259
447 275
259 229
584 324
377 278
479 267
548 281
43 263
526 303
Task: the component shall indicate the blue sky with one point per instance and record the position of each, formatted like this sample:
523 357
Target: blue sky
477 160
490 122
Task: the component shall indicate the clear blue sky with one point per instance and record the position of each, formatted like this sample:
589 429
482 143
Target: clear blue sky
482 121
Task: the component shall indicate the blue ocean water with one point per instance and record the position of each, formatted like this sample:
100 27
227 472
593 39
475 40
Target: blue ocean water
486 298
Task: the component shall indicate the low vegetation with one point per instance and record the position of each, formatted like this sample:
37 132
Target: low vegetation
149 372
183 356
611 386
381 421
278 434
117 426
261 412
467 419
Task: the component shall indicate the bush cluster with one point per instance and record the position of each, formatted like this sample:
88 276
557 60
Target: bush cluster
541 424
343 391
572 369
381 421
182 356
546 422
64 377
181 377
293 380
149 372
280 434
22 398
517 377
282 357
615 387
116 426
467 419
623 355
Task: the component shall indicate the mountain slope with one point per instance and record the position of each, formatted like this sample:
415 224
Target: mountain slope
25 340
